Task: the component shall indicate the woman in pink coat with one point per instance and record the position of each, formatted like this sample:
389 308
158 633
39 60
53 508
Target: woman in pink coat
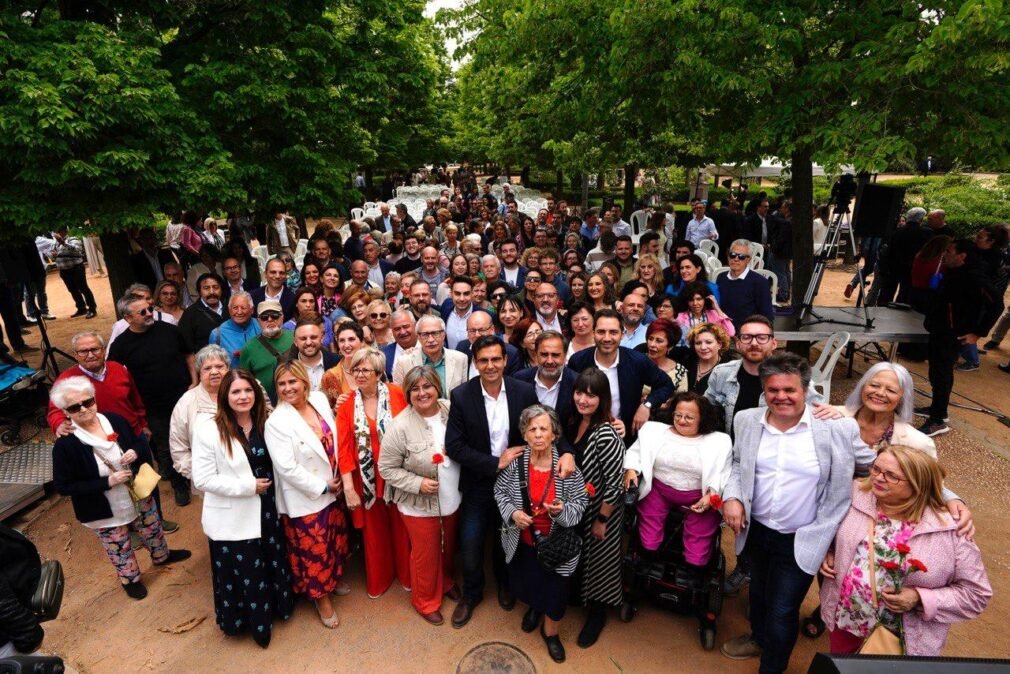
696 305
941 576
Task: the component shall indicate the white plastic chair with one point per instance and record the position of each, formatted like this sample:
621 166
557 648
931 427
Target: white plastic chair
710 247
712 265
716 273
357 213
772 278
639 222
369 205
757 254
820 373
300 250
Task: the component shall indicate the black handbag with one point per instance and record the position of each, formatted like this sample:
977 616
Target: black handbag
48 595
562 543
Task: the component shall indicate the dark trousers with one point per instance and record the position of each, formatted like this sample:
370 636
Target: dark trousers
9 313
478 517
77 284
780 267
942 353
777 589
158 422
36 300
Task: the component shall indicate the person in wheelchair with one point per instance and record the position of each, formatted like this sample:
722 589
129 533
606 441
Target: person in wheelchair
684 465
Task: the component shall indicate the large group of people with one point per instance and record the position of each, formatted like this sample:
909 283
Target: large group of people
337 401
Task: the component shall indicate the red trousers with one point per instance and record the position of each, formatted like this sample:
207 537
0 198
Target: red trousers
844 643
431 565
387 548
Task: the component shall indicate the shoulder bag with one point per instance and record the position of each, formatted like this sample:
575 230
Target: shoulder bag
881 641
562 543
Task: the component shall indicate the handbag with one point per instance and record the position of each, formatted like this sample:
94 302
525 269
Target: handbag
562 543
48 595
881 641
142 484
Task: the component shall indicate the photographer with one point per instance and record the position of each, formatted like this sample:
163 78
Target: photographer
20 569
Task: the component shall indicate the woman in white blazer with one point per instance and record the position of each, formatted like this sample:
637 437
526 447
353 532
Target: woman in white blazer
302 445
249 563
683 465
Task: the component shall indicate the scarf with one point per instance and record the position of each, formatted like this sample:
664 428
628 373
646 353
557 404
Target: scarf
363 438
109 447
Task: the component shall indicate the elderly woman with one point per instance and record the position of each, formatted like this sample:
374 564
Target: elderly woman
697 305
95 466
936 577
301 440
362 421
580 317
248 560
599 454
338 383
709 345
424 484
537 504
682 465
661 336
306 303
198 403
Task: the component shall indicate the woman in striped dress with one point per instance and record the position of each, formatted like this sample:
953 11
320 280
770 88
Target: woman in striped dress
599 455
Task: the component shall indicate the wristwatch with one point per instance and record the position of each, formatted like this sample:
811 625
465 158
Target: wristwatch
647 404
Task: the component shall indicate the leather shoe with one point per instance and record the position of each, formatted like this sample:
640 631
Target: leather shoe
594 625
135 590
464 611
433 618
554 647
531 620
182 496
454 594
177 555
506 599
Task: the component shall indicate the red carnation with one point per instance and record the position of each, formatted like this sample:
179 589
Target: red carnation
890 566
112 437
438 459
902 549
715 501
236 354
590 489
917 565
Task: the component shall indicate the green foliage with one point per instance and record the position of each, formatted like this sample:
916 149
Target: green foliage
968 204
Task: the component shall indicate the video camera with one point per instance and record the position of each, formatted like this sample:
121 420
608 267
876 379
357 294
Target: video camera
843 192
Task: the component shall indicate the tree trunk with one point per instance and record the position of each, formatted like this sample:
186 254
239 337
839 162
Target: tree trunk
803 230
630 173
601 180
369 192
585 192
559 184
116 248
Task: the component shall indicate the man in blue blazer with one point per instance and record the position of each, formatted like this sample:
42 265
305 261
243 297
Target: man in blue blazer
553 382
276 288
628 372
482 435
510 266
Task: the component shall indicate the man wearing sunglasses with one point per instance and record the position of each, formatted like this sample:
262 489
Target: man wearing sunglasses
742 293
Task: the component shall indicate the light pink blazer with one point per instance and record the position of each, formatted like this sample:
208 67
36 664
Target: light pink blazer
724 322
954 588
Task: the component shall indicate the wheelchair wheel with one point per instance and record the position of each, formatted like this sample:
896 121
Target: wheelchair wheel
707 638
627 612
11 436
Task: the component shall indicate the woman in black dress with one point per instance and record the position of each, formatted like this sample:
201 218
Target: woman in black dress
249 563
709 345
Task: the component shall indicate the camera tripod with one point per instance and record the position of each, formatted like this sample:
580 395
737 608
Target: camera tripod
49 352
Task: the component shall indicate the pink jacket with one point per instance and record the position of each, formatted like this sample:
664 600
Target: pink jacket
723 321
954 588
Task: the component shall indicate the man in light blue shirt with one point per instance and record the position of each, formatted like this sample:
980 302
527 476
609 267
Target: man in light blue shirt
632 312
700 227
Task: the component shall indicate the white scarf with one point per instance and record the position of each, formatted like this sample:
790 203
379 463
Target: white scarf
108 447
363 436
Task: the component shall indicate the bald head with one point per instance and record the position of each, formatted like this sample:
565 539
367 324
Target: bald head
478 324
936 219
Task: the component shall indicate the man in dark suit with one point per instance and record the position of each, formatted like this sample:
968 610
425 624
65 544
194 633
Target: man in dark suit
201 317
377 267
628 372
478 325
757 226
404 328
482 434
276 288
149 263
233 281
553 382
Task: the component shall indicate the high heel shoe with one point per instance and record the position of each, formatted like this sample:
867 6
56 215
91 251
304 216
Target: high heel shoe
330 622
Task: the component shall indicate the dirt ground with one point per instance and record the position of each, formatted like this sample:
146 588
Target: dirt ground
101 630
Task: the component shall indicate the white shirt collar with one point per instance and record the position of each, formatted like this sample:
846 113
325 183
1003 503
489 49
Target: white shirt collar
97 376
604 367
488 396
802 425
540 384
743 274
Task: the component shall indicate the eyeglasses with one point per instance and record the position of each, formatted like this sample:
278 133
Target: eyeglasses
434 334
763 338
687 418
362 371
888 476
738 256
379 315
498 296
88 352
480 331
532 279
76 407
146 311
270 315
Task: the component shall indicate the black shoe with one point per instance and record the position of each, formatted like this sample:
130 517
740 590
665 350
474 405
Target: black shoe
78 313
90 314
990 345
1005 367
262 638
182 496
135 590
531 620
169 527
175 556
554 647
595 622
506 599
464 611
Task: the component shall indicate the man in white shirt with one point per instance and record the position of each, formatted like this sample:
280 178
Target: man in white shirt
491 266
359 181
546 300
384 223
700 227
620 227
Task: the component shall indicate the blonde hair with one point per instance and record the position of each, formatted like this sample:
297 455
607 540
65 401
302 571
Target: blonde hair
296 370
720 335
925 479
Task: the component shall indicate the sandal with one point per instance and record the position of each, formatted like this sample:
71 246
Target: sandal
330 622
813 625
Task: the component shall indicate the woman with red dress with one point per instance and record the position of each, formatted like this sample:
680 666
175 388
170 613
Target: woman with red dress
362 420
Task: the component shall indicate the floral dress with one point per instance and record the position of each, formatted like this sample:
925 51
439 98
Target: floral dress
856 613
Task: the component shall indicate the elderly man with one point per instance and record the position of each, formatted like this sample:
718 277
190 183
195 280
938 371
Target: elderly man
308 349
420 299
361 280
480 324
545 299
377 269
402 323
203 316
743 293
430 272
457 309
430 350
384 223
173 272
491 266
554 383
632 315
235 333
163 368
276 288
261 355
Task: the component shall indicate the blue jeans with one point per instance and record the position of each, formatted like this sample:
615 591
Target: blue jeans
777 589
970 354
478 516
780 268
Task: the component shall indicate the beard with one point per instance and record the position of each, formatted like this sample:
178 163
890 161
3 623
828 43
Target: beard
272 333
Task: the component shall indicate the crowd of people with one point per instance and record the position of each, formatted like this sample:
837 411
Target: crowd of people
411 389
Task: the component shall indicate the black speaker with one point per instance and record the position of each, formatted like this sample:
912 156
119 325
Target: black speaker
877 210
885 664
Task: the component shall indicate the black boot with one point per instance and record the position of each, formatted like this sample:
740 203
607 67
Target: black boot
595 622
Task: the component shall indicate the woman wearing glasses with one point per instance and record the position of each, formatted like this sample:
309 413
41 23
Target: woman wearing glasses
337 383
378 321
94 465
362 421
680 466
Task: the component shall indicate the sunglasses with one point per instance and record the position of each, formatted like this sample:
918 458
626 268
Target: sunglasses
270 315
145 311
381 315
738 256
77 407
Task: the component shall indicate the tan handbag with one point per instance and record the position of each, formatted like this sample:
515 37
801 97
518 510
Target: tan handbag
881 641
144 482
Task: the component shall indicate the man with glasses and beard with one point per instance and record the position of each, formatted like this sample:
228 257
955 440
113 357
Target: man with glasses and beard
163 367
203 316
261 355
742 293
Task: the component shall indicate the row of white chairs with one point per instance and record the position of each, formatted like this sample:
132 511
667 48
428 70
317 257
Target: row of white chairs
262 255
